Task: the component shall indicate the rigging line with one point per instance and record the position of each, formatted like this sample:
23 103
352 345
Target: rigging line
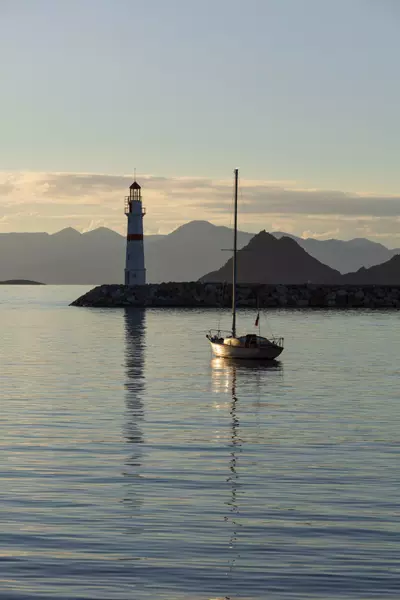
269 328
262 316
221 308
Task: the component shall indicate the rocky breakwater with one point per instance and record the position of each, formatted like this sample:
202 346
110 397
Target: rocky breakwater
196 294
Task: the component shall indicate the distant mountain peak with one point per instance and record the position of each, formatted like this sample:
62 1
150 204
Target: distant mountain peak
199 226
196 224
199 223
101 232
261 240
267 259
67 231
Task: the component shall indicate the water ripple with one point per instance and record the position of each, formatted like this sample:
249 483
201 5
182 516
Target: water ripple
135 466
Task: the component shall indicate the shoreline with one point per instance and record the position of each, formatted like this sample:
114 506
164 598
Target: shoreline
218 295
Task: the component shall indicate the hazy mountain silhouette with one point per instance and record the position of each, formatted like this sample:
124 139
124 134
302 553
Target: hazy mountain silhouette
267 259
186 254
387 273
203 242
343 255
189 251
64 257
98 256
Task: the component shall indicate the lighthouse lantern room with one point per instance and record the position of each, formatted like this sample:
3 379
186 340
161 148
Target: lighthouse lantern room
135 273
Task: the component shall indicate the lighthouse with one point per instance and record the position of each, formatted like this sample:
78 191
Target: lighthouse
135 273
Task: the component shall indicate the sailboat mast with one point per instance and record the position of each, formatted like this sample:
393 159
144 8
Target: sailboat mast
234 279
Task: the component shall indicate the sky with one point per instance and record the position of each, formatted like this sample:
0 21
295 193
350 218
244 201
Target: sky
301 95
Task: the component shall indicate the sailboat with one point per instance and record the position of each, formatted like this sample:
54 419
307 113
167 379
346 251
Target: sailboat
249 345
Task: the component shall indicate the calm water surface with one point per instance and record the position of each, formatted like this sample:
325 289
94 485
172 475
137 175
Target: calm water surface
134 466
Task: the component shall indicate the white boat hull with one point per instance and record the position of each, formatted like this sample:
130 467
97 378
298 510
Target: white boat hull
265 352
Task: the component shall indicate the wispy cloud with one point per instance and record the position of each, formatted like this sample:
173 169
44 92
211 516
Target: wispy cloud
94 224
334 233
32 201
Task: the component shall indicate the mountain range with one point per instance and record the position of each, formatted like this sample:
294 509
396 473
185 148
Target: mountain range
65 257
345 256
388 273
186 254
267 259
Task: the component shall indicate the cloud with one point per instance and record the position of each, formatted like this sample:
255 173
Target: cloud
94 224
321 235
274 200
33 201
6 188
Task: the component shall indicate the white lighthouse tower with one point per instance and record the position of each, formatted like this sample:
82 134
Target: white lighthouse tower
135 273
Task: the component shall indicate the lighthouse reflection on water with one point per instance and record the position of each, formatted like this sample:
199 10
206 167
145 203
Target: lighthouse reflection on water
135 330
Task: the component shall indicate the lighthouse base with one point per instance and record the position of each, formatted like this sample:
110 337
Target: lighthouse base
137 277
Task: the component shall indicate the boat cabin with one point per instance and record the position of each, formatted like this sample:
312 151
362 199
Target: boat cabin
251 340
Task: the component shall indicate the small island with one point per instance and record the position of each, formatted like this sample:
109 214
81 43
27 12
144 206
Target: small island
20 282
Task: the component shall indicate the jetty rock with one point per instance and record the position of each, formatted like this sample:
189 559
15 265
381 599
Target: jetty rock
213 295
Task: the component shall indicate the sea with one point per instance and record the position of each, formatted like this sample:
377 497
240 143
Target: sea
136 466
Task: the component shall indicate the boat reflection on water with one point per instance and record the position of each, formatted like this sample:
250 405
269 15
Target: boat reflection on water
233 477
135 325
252 372
226 374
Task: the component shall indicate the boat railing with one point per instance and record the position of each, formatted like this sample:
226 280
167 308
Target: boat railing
278 341
219 333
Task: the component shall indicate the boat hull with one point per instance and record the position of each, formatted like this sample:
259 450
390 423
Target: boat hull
267 352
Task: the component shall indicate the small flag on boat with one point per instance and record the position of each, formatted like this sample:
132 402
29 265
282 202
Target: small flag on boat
257 319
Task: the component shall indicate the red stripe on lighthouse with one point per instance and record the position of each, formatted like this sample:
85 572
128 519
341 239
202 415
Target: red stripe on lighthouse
134 236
